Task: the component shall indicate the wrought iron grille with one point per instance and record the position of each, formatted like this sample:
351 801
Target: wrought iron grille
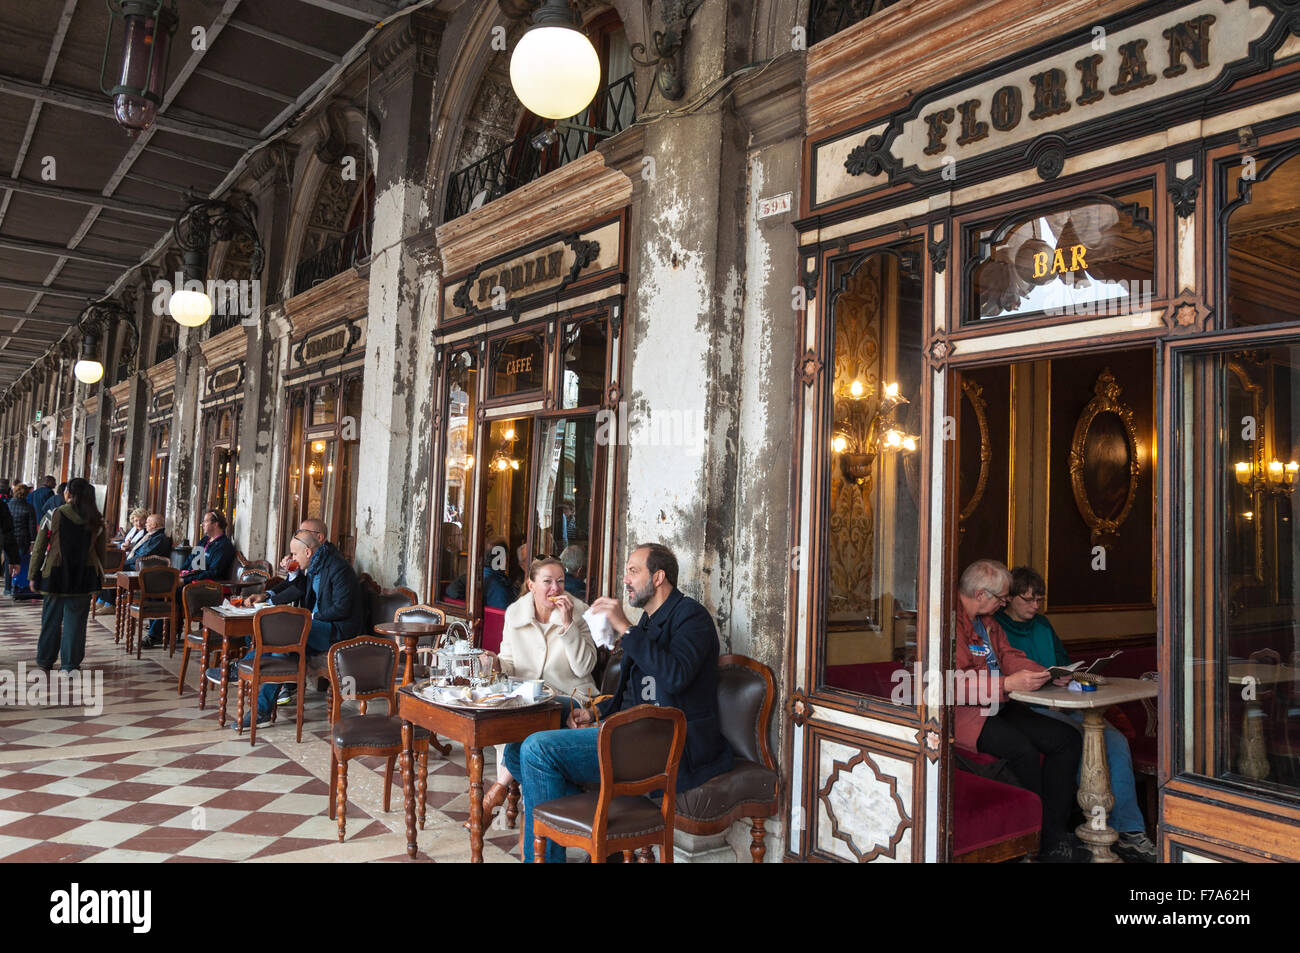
538 152
828 17
166 349
224 322
334 257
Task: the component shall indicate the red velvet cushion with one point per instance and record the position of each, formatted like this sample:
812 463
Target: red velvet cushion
1145 753
988 812
494 624
1115 715
871 678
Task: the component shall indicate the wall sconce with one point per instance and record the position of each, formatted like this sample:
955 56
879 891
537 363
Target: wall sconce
94 323
859 439
147 31
1243 474
669 46
1277 477
203 222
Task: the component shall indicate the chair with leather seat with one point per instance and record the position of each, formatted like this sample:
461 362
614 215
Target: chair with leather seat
746 690
361 670
382 605
196 597
638 751
279 630
157 601
419 613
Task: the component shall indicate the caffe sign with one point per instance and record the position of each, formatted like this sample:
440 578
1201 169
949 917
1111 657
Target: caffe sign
1180 51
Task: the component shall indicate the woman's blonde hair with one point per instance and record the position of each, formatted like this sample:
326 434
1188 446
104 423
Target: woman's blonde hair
139 513
537 565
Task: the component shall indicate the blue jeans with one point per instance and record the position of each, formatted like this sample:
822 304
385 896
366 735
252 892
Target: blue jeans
550 765
318 640
63 631
1125 817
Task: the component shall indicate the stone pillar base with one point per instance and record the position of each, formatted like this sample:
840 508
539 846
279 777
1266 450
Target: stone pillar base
702 849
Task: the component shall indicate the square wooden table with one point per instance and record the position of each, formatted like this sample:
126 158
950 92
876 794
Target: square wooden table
475 729
1095 796
235 626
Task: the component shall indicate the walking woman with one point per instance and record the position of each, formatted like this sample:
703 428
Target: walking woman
67 567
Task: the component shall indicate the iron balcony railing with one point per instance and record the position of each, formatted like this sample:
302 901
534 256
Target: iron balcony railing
334 257
224 322
540 151
166 348
828 17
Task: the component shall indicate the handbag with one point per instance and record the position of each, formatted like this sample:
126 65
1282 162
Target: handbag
997 770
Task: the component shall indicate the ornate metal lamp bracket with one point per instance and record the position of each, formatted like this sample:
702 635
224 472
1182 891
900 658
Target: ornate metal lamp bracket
669 46
207 220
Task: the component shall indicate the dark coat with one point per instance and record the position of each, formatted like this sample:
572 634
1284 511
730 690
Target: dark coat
678 648
155 544
69 554
38 498
7 540
329 588
24 523
497 590
219 560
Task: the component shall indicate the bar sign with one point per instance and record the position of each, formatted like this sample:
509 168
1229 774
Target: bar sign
775 205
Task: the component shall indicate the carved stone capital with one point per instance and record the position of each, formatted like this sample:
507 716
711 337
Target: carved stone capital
410 45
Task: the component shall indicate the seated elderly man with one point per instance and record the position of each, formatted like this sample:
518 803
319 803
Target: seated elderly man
213 558
155 542
670 658
1029 631
1014 731
329 589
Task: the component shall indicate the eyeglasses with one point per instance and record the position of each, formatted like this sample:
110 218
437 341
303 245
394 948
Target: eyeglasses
1030 598
1000 598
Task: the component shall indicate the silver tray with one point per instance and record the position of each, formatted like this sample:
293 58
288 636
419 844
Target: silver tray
441 696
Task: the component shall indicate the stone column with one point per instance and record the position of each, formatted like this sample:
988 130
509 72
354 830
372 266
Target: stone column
259 425
405 57
182 470
135 448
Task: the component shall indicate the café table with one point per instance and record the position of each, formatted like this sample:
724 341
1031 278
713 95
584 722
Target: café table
126 583
1253 761
1095 797
233 626
475 729
409 634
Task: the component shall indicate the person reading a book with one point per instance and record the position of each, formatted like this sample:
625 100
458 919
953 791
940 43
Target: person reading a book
1028 630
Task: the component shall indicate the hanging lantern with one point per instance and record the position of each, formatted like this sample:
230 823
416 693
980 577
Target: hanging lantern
148 26
89 370
554 69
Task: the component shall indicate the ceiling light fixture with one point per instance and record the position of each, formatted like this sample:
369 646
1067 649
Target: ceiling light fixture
554 69
147 31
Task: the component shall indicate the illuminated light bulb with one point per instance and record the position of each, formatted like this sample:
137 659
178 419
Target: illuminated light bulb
318 446
1291 470
509 434
1275 471
909 444
840 443
514 464
469 461
554 69
856 389
88 372
189 308
502 465
893 438
1242 471
891 391
1248 515
330 468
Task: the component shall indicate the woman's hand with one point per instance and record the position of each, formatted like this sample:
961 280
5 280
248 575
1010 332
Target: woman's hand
1026 681
564 602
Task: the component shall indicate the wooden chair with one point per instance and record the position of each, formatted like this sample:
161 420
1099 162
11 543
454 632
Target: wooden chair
746 689
277 630
638 752
112 565
361 670
157 601
421 613
194 599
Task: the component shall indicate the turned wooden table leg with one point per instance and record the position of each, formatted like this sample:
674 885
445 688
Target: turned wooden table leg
512 804
1094 791
408 786
422 785
474 762
1253 762
225 678
758 831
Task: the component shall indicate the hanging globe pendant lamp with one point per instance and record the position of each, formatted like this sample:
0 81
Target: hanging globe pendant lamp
554 69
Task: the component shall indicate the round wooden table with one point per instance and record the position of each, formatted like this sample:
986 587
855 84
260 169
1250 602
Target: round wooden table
409 634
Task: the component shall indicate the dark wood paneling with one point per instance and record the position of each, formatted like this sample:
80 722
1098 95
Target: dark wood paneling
984 533
1126 580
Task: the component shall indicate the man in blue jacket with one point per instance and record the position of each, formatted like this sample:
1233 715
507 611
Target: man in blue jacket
42 495
213 558
330 591
670 658
155 543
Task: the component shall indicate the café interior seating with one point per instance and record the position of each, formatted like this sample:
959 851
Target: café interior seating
639 751
370 661
279 630
157 601
194 599
380 605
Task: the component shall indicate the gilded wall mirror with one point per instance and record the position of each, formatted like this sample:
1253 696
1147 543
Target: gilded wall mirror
1103 463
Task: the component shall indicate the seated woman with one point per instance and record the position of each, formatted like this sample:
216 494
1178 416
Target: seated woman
137 531
1042 752
1032 634
544 637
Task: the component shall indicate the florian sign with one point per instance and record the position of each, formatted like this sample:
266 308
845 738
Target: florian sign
334 343
1131 72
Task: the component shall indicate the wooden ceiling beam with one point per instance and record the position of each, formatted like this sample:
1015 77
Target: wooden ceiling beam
86 197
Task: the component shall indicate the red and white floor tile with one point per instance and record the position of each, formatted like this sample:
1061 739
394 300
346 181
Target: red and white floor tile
151 778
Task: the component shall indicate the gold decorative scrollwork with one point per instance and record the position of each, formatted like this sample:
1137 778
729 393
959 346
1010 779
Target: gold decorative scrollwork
1107 391
975 394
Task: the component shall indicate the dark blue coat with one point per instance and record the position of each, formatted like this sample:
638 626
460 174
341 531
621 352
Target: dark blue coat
219 559
497 591
674 655
38 498
155 544
332 593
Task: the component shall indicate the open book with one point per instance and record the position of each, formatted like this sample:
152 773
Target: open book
1077 668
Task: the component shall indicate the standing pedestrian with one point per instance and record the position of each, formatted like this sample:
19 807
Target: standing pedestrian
67 567
24 519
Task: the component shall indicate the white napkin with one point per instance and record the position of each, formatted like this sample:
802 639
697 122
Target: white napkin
602 633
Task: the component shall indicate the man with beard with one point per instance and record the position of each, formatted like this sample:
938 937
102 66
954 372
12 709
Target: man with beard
670 658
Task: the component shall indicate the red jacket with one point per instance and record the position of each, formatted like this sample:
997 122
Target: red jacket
969 718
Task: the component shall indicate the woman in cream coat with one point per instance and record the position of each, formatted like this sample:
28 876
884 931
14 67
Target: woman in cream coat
544 637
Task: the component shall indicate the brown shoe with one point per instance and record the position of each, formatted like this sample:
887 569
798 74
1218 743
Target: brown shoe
493 799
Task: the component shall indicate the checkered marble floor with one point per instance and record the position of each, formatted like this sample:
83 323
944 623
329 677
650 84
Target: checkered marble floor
151 778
